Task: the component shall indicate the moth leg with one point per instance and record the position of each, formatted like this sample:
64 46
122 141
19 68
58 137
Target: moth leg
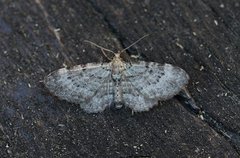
136 57
132 112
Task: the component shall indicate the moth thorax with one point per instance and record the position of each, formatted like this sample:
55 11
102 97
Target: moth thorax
117 69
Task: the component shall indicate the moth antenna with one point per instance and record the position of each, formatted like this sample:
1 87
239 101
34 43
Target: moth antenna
105 54
102 48
135 42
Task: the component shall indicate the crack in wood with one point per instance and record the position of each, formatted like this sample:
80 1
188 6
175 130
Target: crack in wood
188 102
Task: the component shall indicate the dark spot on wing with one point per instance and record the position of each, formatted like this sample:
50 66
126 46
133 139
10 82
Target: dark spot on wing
147 65
116 79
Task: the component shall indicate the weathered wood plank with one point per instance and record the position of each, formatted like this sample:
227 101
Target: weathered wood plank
37 37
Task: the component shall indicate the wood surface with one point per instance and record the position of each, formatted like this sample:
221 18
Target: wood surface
40 36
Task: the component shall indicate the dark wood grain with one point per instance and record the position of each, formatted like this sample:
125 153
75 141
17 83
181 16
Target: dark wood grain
37 37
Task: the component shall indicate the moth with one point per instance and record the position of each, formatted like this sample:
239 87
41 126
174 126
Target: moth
138 85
